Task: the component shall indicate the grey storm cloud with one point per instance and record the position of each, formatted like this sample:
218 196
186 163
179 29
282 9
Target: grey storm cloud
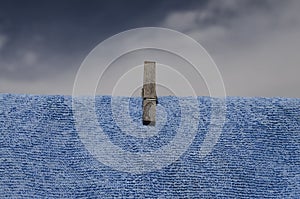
46 36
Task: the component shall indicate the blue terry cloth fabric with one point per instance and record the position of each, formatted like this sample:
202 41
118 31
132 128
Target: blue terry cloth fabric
43 154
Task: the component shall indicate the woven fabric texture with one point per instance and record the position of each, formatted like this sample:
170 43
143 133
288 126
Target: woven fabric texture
257 154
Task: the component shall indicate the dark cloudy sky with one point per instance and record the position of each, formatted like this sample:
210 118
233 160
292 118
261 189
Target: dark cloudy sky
255 43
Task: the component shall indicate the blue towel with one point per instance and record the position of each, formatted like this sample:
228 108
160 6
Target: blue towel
47 150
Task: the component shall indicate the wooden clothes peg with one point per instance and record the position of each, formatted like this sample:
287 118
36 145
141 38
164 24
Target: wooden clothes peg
149 93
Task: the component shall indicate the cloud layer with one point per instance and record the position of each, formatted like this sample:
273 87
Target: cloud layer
254 43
